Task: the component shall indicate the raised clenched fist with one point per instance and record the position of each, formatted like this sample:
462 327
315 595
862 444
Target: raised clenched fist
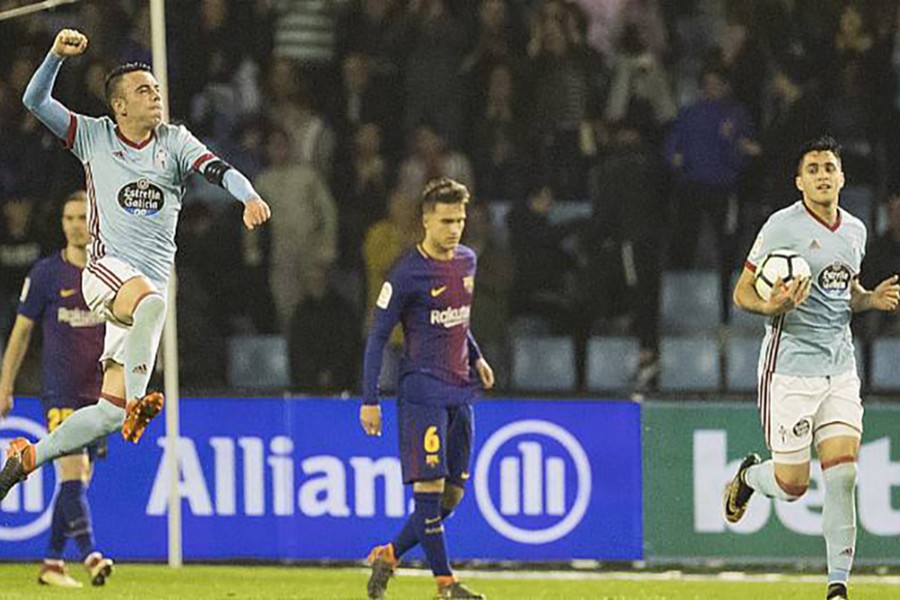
69 42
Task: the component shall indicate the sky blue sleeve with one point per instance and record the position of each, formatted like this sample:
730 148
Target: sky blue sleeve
766 241
194 156
38 100
386 315
238 185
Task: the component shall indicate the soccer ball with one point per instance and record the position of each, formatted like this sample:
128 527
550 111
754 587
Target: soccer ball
786 264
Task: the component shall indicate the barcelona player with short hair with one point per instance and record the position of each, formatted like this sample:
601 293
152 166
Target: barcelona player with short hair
70 377
429 291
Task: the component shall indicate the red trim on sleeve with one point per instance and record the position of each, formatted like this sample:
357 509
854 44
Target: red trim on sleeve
750 266
69 142
203 158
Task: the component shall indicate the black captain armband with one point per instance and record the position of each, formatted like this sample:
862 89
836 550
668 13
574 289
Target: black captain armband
214 171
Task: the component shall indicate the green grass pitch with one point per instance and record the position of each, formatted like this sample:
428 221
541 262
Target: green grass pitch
134 582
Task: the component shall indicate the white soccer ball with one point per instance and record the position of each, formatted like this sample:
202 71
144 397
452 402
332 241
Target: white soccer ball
785 264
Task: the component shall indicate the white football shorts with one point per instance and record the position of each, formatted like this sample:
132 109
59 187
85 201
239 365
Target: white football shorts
100 282
797 412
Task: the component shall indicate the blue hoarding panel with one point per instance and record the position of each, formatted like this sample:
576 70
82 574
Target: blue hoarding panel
297 479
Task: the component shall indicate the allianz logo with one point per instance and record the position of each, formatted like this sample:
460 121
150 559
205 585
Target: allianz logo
532 482
879 478
27 510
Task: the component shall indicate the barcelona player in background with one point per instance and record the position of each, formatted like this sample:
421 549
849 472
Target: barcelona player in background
73 341
429 291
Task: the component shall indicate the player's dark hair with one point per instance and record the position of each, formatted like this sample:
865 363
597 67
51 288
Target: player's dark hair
445 191
826 143
76 196
111 83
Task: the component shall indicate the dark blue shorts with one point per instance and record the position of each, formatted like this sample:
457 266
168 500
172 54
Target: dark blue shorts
435 441
56 411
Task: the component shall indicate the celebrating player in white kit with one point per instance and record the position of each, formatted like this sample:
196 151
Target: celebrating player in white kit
809 392
135 167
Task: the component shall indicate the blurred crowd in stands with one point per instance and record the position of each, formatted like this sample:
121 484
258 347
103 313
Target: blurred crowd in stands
605 142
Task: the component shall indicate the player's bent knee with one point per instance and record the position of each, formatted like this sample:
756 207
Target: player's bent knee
792 489
152 305
452 497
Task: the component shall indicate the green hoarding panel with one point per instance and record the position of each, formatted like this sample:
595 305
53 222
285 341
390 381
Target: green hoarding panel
692 449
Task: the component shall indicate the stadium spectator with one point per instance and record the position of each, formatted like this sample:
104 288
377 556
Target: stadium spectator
430 158
740 53
639 74
361 185
304 238
565 100
324 341
629 192
499 42
433 47
795 113
20 248
882 261
291 107
543 284
372 28
708 149
366 99
497 148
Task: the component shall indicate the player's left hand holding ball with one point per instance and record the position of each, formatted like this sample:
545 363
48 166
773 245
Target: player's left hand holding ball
256 212
886 294
69 42
486 373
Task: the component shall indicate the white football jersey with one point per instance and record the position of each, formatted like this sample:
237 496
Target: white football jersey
135 191
813 339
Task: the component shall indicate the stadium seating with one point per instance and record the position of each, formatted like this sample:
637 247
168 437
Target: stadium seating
743 359
543 364
743 321
885 371
611 362
689 363
690 301
258 362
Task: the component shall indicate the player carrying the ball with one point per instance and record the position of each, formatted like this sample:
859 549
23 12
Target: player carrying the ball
809 391
135 168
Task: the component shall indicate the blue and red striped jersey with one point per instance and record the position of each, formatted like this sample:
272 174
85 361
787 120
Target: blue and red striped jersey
432 299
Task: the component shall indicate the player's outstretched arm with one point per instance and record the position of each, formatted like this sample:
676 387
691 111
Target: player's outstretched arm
220 173
885 296
16 347
37 98
785 297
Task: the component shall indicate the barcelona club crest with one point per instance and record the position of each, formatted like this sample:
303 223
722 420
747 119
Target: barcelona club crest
469 283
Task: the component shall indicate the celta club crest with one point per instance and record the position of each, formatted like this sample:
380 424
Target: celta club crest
161 158
469 284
